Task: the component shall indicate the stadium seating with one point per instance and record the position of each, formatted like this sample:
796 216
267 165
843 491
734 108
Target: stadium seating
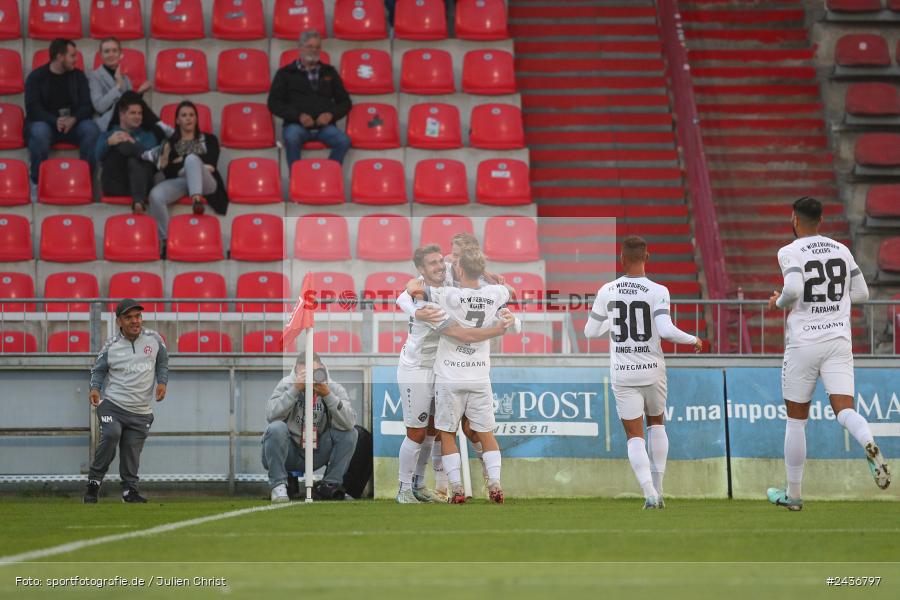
12 80
433 126
889 256
373 126
138 285
243 71
528 286
17 342
511 239
247 125
321 237
133 64
254 181
16 285
194 238
49 20
384 238
181 71
267 341
293 17
257 237
176 21
70 285
853 6
526 343
121 19
359 20
14 184
420 20
204 341
392 341
67 239
383 288
481 20
199 284
263 284
130 238
12 123
204 116
878 150
69 341
317 181
883 202
367 71
238 20
862 50
378 181
65 181
15 238
872 99
497 127
293 55
440 182
440 229
42 56
502 182
10 20
489 73
336 341
331 285
427 71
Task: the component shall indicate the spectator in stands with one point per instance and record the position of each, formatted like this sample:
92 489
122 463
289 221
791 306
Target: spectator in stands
108 82
311 98
119 151
334 426
189 160
58 109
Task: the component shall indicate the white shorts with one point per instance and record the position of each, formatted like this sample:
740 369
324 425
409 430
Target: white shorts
417 395
634 401
803 365
453 399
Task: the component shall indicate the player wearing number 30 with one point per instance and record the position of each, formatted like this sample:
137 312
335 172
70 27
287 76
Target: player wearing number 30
635 310
821 280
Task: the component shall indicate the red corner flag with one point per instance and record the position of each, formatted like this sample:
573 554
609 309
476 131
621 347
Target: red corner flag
302 315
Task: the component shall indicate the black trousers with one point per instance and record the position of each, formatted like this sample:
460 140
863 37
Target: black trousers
126 174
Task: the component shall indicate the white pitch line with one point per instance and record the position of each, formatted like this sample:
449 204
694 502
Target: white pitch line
73 546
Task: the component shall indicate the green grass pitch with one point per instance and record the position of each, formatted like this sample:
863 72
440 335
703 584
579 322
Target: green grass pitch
590 548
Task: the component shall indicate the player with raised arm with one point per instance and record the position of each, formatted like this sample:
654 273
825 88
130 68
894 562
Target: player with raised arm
821 281
635 310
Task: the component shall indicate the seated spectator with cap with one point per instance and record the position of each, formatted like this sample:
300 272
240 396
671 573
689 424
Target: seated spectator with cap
108 83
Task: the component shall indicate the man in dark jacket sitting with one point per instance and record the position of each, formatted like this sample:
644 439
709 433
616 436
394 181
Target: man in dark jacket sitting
311 98
124 172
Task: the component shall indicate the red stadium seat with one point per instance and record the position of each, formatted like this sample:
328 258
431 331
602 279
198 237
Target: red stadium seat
293 17
181 71
489 72
12 123
176 21
70 285
893 5
441 182
359 20
528 286
199 284
322 237
130 238
257 237
206 342
433 126
10 21
853 6
511 239
293 55
336 341
383 288
194 238
502 182
12 80
331 285
267 341
889 255
526 343
872 99
420 20
367 71
16 285
121 19
69 341
133 63
15 238
378 181
238 20
373 126
65 181
440 229
883 201
42 57
247 125
384 237
254 181
481 20
139 285
392 341
243 71
49 20
17 342
862 50
497 127
427 71
14 184
263 284
317 181
67 239
878 150
204 115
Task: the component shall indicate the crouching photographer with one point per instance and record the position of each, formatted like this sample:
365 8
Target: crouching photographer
334 421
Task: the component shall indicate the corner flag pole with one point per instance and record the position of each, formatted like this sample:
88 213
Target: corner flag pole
463 442
308 417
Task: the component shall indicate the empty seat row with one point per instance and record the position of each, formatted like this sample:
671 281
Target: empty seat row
245 19
862 6
878 150
257 237
863 50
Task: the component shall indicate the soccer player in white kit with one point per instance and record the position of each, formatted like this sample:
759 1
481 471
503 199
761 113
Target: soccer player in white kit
821 280
635 310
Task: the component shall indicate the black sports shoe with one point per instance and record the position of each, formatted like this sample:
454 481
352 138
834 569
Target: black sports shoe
327 491
92 494
131 495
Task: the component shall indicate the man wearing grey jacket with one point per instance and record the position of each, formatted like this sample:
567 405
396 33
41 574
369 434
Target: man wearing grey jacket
334 421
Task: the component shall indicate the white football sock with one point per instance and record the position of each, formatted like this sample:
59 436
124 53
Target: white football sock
658 451
422 462
858 427
452 464
437 463
492 465
479 452
640 464
794 455
409 453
